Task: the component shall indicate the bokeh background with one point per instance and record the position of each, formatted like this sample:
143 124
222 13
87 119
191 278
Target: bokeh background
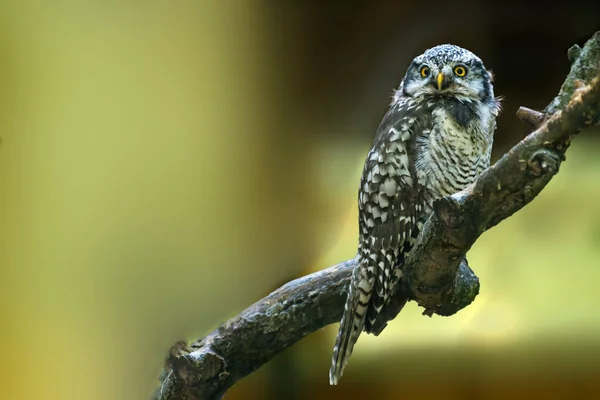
165 164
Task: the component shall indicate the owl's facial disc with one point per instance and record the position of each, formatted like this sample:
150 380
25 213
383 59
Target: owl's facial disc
448 70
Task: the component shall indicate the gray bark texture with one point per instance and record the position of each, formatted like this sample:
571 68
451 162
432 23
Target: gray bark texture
440 279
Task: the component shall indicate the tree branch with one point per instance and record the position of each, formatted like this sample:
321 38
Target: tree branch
439 278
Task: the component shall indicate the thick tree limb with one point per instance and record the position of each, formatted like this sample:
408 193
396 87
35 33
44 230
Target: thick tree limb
440 279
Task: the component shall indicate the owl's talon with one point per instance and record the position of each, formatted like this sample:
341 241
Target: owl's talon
544 161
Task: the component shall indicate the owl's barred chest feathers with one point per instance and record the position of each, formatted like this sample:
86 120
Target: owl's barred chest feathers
455 149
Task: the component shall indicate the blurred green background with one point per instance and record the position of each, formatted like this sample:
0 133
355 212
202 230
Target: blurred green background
165 164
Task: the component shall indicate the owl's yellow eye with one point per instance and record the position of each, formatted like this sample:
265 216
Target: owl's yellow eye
425 71
460 71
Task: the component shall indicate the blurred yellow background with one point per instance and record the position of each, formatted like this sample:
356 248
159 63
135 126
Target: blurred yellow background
165 164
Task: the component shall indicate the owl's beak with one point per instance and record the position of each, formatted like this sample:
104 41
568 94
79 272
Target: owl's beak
440 81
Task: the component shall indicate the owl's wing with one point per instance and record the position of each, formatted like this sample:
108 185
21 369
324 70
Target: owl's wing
388 206
389 202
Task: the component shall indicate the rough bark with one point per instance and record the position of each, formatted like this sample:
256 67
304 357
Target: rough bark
440 279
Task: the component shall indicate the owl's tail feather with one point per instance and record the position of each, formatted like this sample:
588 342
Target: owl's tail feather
353 321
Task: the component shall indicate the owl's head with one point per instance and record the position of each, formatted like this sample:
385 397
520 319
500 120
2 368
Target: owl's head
448 70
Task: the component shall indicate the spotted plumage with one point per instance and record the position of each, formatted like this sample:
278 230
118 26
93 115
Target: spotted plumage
434 140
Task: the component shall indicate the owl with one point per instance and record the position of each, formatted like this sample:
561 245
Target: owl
435 139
